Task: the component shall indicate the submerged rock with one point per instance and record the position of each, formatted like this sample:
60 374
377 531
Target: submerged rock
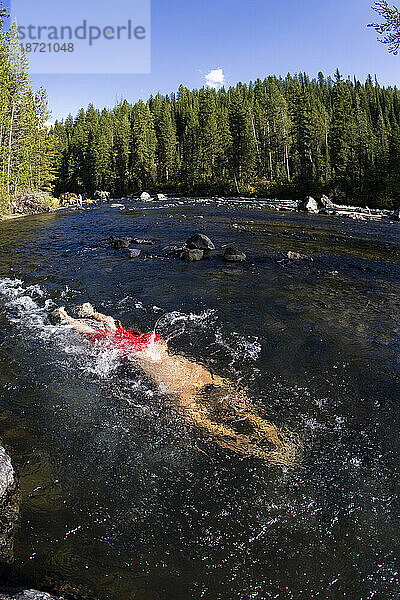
233 254
171 250
297 256
396 214
142 241
145 196
23 594
8 505
308 205
133 252
116 205
200 241
192 254
119 243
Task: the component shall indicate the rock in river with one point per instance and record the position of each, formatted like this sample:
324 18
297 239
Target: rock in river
233 254
200 241
297 256
308 205
121 243
23 594
8 505
145 196
133 252
192 254
396 214
326 203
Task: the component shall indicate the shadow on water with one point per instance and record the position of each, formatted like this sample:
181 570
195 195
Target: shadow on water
123 499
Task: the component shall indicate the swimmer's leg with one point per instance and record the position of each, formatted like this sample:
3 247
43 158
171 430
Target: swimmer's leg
237 402
284 451
287 445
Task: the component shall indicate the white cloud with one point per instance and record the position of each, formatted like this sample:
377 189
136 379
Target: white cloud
215 78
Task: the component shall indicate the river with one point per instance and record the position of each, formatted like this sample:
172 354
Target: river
122 498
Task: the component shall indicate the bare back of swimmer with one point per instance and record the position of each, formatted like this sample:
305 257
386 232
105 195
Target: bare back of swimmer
190 384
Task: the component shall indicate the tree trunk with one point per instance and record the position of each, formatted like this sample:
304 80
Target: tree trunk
10 146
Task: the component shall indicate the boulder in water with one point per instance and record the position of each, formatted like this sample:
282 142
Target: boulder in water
161 197
111 239
23 594
121 243
308 205
396 214
116 205
326 203
233 254
8 506
145 196
199 241
192 254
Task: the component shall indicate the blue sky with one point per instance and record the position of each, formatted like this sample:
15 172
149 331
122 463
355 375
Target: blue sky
247 39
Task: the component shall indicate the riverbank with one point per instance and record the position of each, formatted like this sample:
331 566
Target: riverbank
322 206
30 203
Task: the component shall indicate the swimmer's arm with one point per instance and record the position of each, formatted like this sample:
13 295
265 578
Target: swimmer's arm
88 311
65 318
81 327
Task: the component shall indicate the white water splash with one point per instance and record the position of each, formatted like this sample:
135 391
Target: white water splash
25 313
172 325
22 308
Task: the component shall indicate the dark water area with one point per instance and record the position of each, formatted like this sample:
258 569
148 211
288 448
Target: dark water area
121 497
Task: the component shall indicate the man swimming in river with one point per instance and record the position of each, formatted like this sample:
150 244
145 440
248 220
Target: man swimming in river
199 394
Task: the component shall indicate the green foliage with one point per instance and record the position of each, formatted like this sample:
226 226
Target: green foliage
389 27
278 137
53 202
26 146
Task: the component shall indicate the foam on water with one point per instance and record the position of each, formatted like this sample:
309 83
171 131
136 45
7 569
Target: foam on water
173 324
22 308
28 307
27 314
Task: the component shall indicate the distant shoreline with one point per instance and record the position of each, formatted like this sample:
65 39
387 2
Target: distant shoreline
290 206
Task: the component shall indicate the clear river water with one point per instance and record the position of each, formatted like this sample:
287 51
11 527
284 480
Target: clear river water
121 498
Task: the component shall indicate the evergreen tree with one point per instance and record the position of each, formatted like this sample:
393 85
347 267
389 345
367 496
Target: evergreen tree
26 144
144 141
167 158
282 136
389 27
343 131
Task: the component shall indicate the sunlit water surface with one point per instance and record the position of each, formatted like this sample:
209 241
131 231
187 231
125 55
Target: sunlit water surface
121 498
